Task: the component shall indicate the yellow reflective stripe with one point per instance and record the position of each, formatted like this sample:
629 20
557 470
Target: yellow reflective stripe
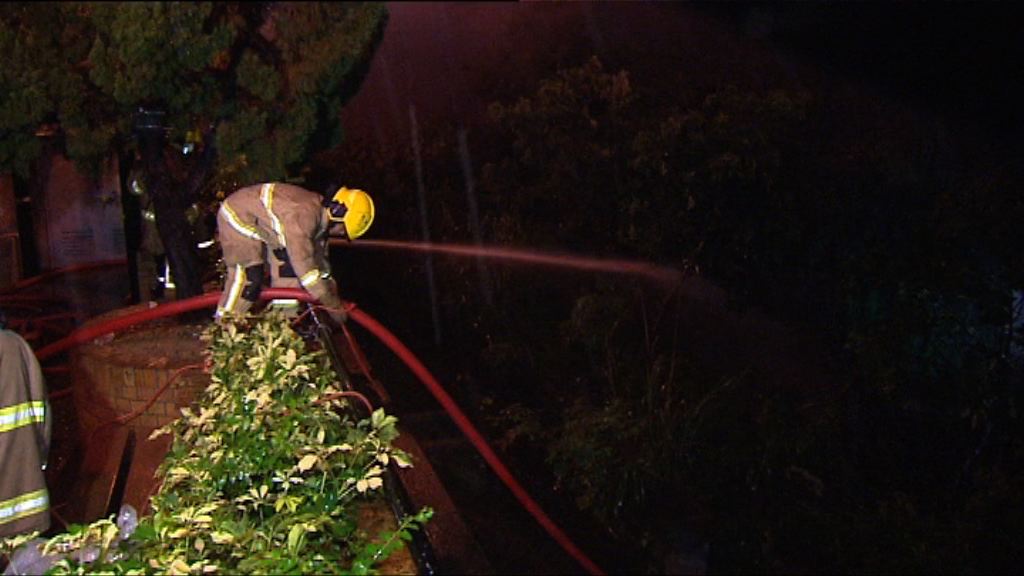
236 222
25 505
267 197
284 303
22 415
234 291
310 278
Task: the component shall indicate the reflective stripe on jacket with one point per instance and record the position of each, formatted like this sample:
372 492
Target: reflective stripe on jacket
24 439
281 216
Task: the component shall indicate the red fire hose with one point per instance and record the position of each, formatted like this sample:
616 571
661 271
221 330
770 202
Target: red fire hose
481 445
89 333
210 299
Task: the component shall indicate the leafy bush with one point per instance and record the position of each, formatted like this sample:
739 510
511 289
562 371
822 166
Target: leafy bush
265 478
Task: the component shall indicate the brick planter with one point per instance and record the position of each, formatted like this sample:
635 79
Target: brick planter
117 375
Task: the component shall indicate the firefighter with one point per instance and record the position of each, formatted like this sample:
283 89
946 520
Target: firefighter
24 438
287 227
151 256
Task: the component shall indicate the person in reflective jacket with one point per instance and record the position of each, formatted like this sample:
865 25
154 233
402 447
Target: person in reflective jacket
25 428
288 226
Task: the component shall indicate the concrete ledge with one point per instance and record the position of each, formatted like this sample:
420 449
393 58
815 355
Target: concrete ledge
454 546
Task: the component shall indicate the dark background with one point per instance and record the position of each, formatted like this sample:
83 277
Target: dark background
959 59
839 445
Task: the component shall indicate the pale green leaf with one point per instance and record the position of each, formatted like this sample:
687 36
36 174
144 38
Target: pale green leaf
307 462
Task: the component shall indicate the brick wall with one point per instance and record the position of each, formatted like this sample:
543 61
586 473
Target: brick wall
119 376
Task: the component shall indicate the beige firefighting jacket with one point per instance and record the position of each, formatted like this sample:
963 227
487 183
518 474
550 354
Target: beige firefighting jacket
24 439
281 216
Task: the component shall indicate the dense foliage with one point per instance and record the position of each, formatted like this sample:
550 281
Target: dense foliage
265 476
888 236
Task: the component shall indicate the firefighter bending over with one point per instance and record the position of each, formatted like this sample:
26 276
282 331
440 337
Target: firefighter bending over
288 226
24 438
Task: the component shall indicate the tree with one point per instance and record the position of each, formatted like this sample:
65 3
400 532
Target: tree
255 88
893 239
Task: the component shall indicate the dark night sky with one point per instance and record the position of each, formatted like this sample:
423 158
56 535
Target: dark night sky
959 60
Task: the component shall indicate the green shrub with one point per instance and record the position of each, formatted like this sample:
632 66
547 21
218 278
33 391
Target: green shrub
265 478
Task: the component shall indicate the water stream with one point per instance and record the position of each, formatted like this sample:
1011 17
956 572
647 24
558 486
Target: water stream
659 274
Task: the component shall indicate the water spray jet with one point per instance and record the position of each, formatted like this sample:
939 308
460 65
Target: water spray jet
660 274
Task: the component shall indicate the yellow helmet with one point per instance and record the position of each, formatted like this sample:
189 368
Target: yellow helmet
354 208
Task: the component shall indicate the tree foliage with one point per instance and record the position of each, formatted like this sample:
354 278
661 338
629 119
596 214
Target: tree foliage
256 86
258 78
887 235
